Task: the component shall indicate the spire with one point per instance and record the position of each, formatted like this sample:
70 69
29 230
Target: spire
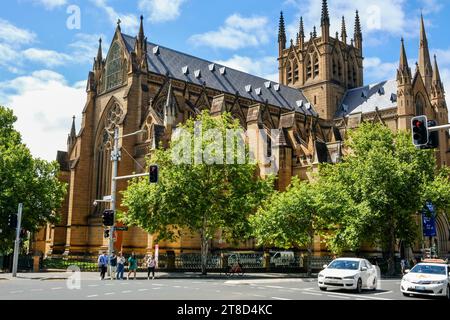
100 52
141 35
436 73
343 31
424 56
358 33
301 28
403 69
281 33
437 89
73 131
325 15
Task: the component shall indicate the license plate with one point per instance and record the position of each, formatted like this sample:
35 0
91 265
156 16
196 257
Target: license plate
420 288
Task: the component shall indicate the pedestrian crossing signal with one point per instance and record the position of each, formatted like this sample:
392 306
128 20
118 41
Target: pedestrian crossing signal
108 218
154 174
12 221
106 234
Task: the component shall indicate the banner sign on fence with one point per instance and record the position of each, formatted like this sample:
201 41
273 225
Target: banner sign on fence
429 220
156 254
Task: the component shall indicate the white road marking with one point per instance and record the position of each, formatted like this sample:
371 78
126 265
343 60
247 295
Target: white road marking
358 296
126 291
17 291
238 293
261 288
156 288
124 283
58 288
258 295
177 286
218 291
143 290
338 297
36 290
274 287
109 293
157 284
312 293
277 298
93 296
380 293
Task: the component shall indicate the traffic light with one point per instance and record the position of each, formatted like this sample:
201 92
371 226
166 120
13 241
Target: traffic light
433 140
12 221
420 131
154 174
108 218
106 234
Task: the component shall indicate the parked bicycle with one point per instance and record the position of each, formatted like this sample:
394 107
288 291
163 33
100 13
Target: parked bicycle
235 269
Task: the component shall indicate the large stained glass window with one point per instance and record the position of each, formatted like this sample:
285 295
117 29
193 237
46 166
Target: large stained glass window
114 72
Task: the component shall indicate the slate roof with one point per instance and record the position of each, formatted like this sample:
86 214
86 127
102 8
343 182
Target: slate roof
365 99
174 63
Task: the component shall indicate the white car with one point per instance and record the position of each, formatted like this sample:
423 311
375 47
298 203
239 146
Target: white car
348 273
430 278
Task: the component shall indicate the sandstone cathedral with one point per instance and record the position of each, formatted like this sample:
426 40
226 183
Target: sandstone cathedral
321 94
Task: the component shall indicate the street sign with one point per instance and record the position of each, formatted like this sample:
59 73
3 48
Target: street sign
429 220
120 228
107 198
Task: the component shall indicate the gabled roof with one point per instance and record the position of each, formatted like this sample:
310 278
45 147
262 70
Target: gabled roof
366 99
167 61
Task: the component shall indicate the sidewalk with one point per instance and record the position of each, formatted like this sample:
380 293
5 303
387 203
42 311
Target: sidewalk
45 276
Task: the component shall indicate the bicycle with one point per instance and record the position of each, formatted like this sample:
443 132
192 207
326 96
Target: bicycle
235 269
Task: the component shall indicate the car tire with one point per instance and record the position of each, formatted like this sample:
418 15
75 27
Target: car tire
406 294
374 285
323 288
359 286
448 292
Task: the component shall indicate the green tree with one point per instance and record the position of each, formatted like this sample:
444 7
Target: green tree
200 197
26 180
387 181
292 218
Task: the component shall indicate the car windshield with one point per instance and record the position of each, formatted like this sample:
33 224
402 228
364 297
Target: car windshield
429 269
344 264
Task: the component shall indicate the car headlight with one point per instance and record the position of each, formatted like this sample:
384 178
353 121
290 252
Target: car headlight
349 278
321 275
438 282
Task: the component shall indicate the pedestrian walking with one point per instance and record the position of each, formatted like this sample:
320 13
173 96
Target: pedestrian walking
113 265
403 266
120 266
103 264
151 266
132 266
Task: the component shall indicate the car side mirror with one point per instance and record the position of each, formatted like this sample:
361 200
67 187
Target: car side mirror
363 269
407 271
324 266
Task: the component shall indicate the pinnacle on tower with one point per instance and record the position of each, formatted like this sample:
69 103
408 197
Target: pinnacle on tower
358 33
343 31
282 33
437 82
100 51
73 131
325 15
301 28
314 32
141 30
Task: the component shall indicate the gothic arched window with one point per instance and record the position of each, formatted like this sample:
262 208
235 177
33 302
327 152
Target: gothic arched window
289 72
316 66
420 105
308 68
114 70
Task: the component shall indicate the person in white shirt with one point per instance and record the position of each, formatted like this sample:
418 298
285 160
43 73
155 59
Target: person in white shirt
151 266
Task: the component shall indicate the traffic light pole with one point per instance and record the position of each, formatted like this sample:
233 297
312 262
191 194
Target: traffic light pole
115 159
439 128
17 242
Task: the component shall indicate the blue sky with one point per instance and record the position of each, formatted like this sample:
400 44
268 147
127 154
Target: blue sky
46 52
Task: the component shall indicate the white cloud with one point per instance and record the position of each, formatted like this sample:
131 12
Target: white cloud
161 10
238 32
376 70
84 48
51 4
48 58
265 67
379 18
13 35
44 103
431 6
129 22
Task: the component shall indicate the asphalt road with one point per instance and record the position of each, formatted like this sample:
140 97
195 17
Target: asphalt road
187 289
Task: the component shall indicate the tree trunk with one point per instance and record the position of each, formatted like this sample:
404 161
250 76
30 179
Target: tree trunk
391 250
310 252
204 253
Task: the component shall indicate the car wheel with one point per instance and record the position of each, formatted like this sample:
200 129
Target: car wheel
448 292
323 288
406 294
359 286
374 285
